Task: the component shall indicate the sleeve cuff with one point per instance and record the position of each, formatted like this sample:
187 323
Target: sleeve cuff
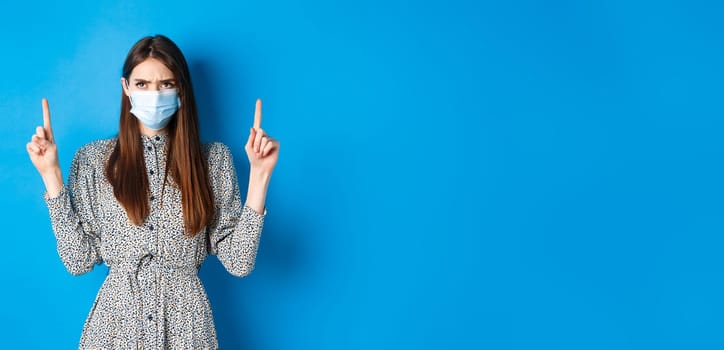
57 201
254 212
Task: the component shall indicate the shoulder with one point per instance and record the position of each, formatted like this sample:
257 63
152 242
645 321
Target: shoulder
217 152
95 152
219 160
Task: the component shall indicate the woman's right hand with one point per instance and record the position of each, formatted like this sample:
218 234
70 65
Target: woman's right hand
44 154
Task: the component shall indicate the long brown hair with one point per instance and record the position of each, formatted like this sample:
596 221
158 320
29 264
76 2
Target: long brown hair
126 168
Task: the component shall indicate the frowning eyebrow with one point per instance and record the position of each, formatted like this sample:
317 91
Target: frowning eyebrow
162 81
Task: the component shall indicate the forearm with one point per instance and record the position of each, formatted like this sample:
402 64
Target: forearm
256 194
237 246
76 242
53 181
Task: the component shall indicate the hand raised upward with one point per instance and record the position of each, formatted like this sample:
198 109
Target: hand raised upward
261 149
43 153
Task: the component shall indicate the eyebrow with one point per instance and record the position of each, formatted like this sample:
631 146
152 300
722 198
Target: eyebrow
161 81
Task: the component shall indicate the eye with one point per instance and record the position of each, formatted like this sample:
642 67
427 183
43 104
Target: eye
168 85
140 85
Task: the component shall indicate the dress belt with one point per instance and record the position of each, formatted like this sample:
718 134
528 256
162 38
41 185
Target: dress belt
152 263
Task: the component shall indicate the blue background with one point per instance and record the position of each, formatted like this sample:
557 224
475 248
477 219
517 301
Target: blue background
453 175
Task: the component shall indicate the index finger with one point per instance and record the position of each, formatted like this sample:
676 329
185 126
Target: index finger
257 114
46 117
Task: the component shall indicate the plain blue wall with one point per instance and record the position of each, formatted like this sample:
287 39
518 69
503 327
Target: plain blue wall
453 175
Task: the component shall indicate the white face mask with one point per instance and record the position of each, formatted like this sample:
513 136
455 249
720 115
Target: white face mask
154 108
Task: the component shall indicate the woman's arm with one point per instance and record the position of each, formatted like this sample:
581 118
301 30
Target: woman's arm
44 154
236 229
263 153
53 182
70 208
256 193
234 236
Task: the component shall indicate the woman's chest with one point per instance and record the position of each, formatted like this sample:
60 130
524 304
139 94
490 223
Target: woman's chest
161 234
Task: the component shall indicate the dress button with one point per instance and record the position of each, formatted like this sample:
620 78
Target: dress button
152 197
158 138
151 172
150 227
150 318
149 148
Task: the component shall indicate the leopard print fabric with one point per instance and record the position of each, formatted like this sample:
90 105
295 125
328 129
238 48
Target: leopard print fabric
152 297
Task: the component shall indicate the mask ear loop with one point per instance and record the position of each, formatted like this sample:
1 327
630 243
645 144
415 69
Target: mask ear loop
128 90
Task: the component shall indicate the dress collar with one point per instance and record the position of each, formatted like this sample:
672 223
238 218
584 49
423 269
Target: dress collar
158 139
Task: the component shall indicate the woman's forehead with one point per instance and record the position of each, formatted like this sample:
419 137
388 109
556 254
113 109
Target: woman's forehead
151 70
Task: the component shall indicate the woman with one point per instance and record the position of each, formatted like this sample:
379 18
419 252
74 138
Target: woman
151 203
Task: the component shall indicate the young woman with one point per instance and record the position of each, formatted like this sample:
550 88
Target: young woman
152 203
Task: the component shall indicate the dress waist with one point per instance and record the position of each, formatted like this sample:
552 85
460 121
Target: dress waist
149 263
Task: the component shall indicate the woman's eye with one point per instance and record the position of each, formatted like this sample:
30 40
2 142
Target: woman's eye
140 85
167 85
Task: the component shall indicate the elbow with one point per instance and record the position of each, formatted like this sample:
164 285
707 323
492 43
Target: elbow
78 261
78 265
76 269
242 270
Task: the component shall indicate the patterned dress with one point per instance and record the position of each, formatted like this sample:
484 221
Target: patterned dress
152 297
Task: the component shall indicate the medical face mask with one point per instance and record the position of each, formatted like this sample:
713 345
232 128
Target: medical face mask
154 108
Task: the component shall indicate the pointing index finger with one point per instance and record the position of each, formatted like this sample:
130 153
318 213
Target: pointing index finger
46 119
257 114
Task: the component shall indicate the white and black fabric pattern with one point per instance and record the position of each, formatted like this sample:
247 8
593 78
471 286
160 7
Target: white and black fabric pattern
152 297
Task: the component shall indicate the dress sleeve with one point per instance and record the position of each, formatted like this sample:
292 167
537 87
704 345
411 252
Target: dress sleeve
73 217
235 231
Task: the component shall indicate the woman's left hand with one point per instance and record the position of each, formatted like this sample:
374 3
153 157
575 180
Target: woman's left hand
261 149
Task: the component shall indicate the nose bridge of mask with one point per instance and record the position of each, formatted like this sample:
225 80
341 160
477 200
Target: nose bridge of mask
161 98
155 98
